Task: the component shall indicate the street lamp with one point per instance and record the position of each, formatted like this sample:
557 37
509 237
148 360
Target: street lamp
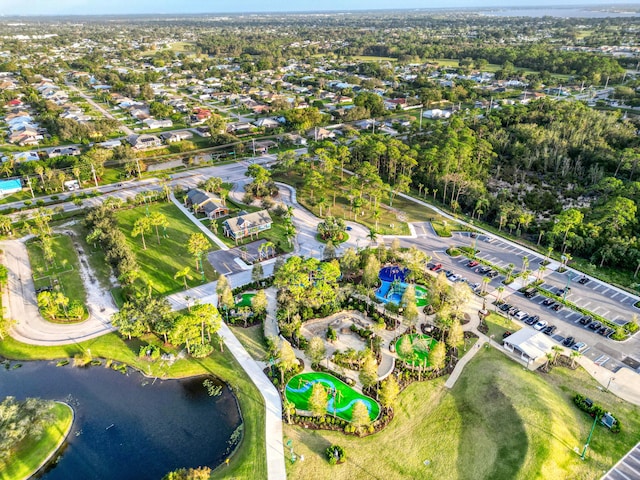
586 445
611 379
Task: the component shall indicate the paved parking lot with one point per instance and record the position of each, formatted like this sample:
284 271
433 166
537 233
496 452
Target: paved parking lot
607 301
626 469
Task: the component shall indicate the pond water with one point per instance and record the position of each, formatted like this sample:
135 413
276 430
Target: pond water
129 426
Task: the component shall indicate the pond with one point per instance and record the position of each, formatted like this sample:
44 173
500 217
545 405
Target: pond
129 426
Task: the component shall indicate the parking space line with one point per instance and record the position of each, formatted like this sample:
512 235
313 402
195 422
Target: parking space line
571 314
615 295
596 287
586 305
605 291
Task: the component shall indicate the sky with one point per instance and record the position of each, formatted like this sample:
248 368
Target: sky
102 7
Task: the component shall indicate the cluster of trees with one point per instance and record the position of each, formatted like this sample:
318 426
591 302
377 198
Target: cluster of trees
262 185
194 329
103 230
523 167
306 287
20 420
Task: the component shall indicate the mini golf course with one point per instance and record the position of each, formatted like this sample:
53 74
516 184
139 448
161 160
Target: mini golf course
421 345
246 300
394 285
341 396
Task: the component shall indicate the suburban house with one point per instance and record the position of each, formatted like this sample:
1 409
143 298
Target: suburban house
207 203
267 123
141 142
247 224
530 346
153 123
172 137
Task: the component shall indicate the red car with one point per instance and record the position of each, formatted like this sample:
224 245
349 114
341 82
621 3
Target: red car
473 263
436 267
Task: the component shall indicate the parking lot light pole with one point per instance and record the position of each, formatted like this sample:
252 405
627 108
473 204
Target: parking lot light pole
586 445
566 289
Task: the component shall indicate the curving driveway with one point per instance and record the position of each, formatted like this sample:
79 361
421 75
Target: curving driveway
19 299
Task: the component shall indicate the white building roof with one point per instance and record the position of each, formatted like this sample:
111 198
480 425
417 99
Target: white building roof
531 342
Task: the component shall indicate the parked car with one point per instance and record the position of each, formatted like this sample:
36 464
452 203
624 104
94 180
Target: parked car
586 320
603 330
505 307
473 263
448 273
579 347
483 269
548 302
608 331
594 326
540 325
530 293
43 289
492 274
521 315
549 330
557 307
561 291
583 281
513 311
455 277
474 286
569 341
532 320
462 279
506 334
436 267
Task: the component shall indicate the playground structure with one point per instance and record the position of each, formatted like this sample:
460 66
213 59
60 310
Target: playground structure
421 346
393 285
341 397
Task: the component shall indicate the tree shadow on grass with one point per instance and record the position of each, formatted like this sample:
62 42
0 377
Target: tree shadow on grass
491 431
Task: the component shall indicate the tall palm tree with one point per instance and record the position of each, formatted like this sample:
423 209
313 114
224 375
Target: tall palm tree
525 263
376 216
184 274
510 268
541 270
373 236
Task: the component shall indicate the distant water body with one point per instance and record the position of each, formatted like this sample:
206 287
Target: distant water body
569 12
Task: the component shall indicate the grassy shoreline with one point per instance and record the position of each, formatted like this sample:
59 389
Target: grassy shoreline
249 460
32 455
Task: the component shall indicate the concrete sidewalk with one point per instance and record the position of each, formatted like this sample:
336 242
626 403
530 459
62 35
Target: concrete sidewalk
198 223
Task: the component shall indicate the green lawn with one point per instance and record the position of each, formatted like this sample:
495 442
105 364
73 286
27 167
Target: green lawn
159 263
299 388
95 256
500 421
65 270
30 454
498 324
249 460
421 345
252 339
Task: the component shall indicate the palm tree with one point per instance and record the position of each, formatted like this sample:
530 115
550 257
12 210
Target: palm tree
525 263
510 268
574 356
214 226
158 219
376 216
269 247
485 282
541 270
184 274
140 227
373 236
556 350
322 202
500 292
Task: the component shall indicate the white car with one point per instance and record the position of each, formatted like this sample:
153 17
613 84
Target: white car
521 315
579 347
540 325
455 277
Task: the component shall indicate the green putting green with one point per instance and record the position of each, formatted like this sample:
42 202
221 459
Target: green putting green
246 300
341 397
420 346
422 296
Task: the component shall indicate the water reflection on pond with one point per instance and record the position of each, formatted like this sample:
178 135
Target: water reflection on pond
129 426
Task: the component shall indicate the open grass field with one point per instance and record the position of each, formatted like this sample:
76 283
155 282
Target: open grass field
421 345
160 262
498 324
32 453
498 422
65 269
248 462
299 388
